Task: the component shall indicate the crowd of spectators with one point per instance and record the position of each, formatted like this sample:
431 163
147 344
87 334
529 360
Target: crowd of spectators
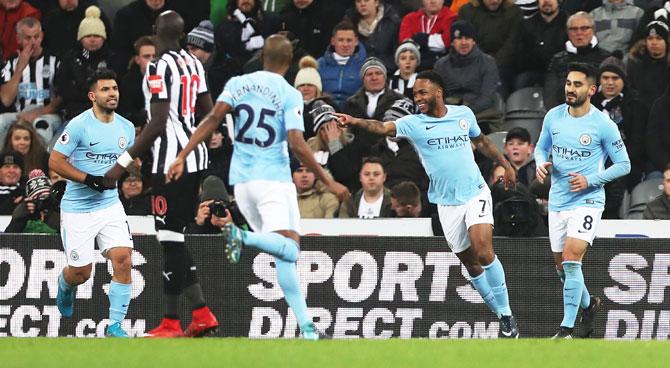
360 57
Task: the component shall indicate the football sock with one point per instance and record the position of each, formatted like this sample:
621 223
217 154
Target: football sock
561 274
586 297
194 295
287 275
172 306
276 244
119 299
63 285
482 286
495 275
572 292
174 268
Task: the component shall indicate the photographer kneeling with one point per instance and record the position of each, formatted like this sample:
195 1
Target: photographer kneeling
215 209
40 210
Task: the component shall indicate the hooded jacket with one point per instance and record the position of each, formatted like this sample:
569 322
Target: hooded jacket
382 42
502 45
473 77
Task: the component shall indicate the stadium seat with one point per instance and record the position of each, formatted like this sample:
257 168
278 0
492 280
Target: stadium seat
625 204
533 125
498 139
641 195
525 103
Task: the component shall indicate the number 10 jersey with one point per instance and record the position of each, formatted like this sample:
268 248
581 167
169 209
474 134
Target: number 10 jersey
265 108
176 77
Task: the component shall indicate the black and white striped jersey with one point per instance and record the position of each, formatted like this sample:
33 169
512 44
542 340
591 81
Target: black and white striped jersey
177 77
36 84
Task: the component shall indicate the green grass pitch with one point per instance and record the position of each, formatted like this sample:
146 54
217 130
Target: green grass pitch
239 352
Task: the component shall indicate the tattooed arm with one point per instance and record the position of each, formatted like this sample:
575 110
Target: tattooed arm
372 126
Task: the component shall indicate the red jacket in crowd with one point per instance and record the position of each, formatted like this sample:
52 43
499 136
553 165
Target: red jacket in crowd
419 22
8 20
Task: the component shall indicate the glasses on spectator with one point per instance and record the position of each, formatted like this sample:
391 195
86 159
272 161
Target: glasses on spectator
581 29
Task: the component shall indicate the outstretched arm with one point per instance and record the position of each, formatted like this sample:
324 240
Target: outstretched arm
205 129
489 149
305 155
372 126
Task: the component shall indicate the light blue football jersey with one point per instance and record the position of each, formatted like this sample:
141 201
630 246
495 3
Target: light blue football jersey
266 107
580 145
443 145
93 147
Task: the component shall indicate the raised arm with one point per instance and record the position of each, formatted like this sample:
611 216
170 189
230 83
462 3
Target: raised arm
305 155
372 126
489 149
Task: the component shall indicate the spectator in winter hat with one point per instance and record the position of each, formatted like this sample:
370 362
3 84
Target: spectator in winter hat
648 67
372 100
39 212
200 41
308 82
407 58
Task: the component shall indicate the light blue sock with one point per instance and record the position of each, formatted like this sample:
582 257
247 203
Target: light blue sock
119 299
495 275
273 243
561 274
573 289
287 275
586 297
484 289
63 285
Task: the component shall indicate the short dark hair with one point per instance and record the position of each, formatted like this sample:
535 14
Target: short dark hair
344 25
143 41
406 193
373 160
589 70
100 74
433 77
667 167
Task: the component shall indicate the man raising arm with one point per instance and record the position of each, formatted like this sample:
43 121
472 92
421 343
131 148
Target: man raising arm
442 136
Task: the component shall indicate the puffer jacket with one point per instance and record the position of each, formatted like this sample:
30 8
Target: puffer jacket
341 81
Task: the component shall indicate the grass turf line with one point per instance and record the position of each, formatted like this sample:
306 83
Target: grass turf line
240 352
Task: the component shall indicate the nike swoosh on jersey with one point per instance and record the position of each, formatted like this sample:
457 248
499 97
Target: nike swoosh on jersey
430 127
93 144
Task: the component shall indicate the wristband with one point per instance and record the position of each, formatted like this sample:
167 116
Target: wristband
124 160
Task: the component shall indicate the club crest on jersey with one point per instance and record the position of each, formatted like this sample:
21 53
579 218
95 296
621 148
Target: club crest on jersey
64 138
463 124
123 142
155 83
585 139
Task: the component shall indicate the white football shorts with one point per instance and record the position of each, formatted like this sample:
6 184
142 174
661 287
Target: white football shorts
580 223
81 230
456 220
269 205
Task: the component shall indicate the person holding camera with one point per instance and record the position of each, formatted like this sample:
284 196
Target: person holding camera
39 212
215 209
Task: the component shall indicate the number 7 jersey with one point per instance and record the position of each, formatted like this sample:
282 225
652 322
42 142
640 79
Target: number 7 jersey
176 77
265 108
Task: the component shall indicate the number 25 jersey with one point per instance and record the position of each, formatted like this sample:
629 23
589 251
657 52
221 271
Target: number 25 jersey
265 107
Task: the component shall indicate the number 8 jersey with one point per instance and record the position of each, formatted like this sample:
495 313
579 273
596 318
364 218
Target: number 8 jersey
265 107
177 78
